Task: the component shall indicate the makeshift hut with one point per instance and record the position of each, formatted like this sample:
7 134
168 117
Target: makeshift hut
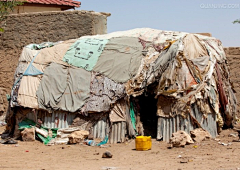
123 84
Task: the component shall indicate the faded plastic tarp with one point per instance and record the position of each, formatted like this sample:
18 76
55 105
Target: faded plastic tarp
118 112
120 59
85 52
104 92
63 88
31 70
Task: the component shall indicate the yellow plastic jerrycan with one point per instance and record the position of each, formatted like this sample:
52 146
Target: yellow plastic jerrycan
143 143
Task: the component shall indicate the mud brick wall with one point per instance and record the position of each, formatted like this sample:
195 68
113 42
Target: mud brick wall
24 29
233 56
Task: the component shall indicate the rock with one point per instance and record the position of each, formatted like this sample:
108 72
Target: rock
180 139
236 126
107 154
232 135
199 135
184 161
169 145
78 136
28 134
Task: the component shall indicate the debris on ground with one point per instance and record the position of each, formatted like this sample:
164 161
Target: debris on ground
232 135
180 139
28 134
184 161
200 134
107 154
224 144
8 141
78 136
2 123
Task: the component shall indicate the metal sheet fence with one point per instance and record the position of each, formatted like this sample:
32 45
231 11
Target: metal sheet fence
57 119
167 126
116 133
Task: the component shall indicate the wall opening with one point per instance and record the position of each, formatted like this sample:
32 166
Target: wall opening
147 112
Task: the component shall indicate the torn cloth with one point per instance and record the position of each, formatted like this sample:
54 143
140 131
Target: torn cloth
222 95
118 112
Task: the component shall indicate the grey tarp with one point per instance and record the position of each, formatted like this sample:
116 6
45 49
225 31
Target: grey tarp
104 92
120 59
63 88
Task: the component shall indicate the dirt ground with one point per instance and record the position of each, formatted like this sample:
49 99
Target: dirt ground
205 155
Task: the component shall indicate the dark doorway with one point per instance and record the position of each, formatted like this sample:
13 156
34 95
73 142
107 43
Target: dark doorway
148 110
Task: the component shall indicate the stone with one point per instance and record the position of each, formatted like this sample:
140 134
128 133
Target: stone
180 139
28 134
77 136
184 161
107 154
200 134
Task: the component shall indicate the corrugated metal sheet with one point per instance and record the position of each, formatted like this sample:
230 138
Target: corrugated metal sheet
100 129
167 126
57 119
116 133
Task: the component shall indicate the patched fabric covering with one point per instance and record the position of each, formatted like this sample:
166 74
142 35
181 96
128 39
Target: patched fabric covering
85 52
63 88
120 59
104 92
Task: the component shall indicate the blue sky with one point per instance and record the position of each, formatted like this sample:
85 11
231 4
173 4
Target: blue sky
213 16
